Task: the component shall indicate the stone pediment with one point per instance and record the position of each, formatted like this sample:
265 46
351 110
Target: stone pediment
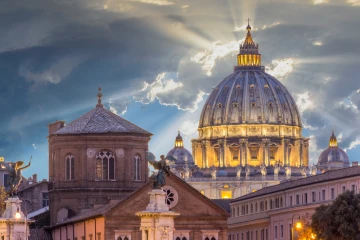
190 202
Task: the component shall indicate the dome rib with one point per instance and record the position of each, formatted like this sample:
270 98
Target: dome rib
227 92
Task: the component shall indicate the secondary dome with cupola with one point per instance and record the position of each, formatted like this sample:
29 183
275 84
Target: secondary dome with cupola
333 157
183 157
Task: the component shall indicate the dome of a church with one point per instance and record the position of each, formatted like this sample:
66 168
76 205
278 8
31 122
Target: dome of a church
182 155
250 118
333 157
249 95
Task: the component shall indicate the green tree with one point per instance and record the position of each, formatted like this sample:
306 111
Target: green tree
339 220
3 197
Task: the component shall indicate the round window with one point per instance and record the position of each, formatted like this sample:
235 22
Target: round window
171 197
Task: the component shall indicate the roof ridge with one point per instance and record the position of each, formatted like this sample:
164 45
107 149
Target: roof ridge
117 116
96 109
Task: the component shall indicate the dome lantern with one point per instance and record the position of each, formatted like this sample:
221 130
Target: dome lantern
249 52
333 141
178 141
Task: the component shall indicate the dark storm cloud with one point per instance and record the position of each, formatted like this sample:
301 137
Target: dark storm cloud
54 54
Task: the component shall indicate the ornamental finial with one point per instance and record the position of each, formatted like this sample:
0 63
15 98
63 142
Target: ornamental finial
248 26
99 95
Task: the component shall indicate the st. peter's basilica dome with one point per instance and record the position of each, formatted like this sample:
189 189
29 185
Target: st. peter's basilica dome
250 118
333 157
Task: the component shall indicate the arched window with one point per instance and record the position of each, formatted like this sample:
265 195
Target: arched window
126 238
177 238
119 238
184 238
207 238
69 166
105 165
213 238
137 164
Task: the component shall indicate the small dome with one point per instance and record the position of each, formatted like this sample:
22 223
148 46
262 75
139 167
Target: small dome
182 155
150 156
333 156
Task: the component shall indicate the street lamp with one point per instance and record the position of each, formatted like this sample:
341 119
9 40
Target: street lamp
17 214
298 225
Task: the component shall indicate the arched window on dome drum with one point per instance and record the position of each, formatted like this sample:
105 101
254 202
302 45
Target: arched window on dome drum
105 165
69 166
137 167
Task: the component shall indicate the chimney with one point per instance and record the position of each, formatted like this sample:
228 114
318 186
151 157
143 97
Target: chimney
354 164
34 178
53 127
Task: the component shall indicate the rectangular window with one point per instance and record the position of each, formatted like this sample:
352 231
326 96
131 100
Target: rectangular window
297 199
226 194
276 232
253 152
332 193
353 188
6 179
313 197
45 199
343 189
237 236
323 195
261 206
266 234
281 231
305 198
235 154
291 201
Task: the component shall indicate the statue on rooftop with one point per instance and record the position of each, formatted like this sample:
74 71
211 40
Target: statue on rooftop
15 176
163 170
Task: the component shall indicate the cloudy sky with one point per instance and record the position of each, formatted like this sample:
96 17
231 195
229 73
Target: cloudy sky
157 61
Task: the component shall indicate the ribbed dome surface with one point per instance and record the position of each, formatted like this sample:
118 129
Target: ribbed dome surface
182 156
249 96
333 154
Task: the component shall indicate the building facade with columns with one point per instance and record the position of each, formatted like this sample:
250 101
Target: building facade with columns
250 118
270 213
98 158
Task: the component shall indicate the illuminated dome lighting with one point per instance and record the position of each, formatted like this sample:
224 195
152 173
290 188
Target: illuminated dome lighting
250 118
333 157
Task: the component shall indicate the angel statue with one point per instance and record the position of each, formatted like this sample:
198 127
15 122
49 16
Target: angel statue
162 165
15 176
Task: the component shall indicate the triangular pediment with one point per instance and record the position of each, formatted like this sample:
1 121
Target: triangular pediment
189 203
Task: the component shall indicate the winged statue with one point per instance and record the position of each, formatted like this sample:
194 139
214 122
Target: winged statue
163 170
15 176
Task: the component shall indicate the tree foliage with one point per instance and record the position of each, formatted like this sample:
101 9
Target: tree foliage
339 220
3 197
